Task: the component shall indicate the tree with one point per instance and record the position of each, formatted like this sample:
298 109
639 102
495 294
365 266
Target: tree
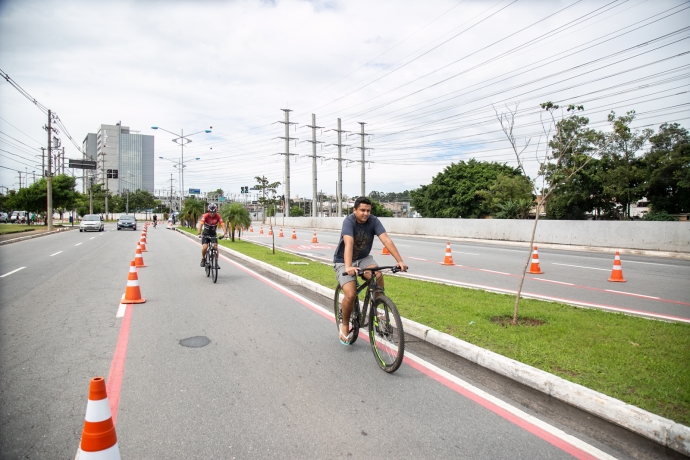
296 211
667 167
509 192
268 193
453 192
235 216
193 209
378 210
625 176
563 158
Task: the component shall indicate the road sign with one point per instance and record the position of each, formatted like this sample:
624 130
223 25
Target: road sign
221 199
195 191
81 164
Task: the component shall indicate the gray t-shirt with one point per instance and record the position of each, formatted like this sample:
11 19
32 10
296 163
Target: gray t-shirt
363 234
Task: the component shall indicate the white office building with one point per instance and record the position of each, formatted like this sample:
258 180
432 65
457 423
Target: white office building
125 158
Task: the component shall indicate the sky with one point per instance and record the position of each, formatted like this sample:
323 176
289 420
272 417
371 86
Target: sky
427 78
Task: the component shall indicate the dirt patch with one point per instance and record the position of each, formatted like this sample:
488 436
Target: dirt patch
506 321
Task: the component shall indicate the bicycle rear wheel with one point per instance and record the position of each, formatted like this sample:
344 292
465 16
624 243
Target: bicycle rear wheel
386 334
214 267
338 312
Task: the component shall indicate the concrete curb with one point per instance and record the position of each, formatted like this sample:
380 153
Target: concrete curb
16 240
659 429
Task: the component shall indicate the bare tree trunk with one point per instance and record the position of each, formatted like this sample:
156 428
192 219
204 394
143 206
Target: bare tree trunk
524 269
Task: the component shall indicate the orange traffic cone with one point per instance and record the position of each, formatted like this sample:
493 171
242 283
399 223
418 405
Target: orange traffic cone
448 259
281 233
617 272
98 439
385 251
534 268
142 244
294 235
138 258
132 292
270 231
261 229
313 238
251 229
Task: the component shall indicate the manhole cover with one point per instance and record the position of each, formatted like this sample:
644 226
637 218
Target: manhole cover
195 342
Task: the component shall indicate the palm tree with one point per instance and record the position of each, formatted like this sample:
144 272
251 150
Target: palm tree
236 216
193 209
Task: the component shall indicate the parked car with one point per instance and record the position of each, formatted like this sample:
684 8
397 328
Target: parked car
127 221
18 217
3 217
91 222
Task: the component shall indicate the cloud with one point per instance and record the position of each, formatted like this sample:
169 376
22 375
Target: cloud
234 65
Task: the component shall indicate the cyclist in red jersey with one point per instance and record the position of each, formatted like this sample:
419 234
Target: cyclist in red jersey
210 222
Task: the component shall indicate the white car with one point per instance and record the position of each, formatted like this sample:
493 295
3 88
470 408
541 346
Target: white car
91 222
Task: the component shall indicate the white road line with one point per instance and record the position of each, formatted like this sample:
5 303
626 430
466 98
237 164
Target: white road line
468 253
493 271
13 271
121 309
77 244
552 281
636 295
416 258
653 263
55 253
92 237
580 266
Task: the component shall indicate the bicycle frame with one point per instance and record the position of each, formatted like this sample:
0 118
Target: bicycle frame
372 287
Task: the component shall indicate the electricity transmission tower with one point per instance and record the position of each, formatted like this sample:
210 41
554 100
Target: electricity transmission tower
339 188
363 161
313 157
287 138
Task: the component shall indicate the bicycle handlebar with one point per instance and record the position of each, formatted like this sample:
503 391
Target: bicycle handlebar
392 268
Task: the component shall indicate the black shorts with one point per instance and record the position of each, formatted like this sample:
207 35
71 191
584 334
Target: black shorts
206 239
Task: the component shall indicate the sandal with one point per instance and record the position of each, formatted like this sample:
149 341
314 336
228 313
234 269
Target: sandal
346 337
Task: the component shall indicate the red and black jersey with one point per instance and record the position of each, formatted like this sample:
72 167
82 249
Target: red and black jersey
211 222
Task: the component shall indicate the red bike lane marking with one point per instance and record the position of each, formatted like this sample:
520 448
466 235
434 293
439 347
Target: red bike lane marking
117 366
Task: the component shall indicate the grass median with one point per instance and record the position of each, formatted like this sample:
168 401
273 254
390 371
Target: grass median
643 362
6 229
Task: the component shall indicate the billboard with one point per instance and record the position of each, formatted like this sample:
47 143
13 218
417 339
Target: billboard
195 191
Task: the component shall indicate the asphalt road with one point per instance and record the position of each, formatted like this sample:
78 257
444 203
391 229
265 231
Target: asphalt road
655 286
273 381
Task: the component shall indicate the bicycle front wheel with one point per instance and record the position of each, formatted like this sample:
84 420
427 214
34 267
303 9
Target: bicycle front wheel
208 265
214 267
386 334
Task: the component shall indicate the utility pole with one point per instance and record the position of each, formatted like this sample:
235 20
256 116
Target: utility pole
63 160
363 149
339 184
49 178
105 180
313 157
171 186
43 162
91 195
287 138
20 179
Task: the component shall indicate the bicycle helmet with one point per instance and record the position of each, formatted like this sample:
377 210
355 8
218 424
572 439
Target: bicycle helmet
212 207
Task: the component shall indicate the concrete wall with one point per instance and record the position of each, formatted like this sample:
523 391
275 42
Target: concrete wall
651 236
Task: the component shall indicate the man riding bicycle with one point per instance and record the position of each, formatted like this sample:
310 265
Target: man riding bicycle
209 221
155 220
352 253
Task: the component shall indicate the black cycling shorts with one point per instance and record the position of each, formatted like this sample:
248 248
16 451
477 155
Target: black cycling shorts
206 239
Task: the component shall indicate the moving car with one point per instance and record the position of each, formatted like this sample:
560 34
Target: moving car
3 217
91 222
127 221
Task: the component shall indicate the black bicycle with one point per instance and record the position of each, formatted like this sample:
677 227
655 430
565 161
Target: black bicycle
212 258
386 333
